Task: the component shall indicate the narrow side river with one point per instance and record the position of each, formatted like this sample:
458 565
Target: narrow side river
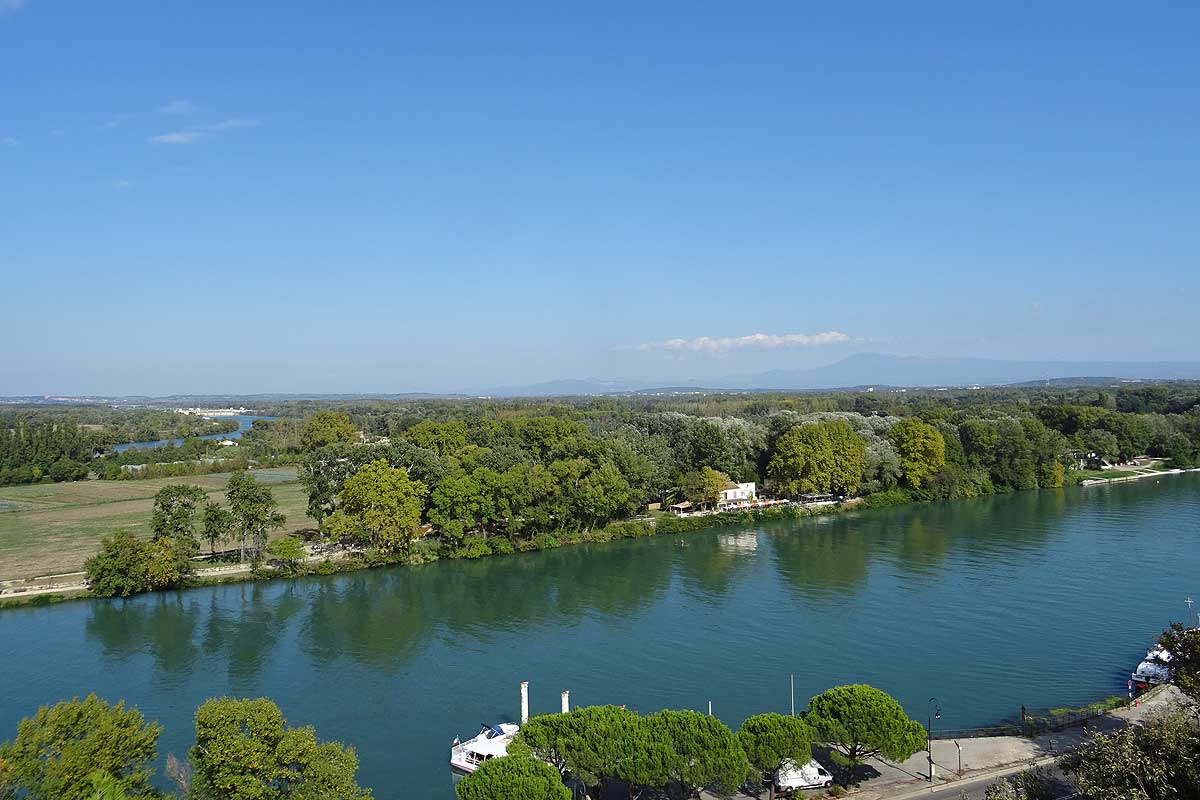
1044 598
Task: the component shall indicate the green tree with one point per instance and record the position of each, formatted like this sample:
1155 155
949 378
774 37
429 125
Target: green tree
254 510
106 787
57 750
594 742
513 777
921 448
218 525
385 504
288 551
704 754
166 565
861 722
1103 443
770 739
326 428
823 457
67 469
1184 646
704 485
245 751
176 507
119 569
1158 760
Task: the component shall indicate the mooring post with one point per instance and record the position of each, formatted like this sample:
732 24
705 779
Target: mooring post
524 702
566 701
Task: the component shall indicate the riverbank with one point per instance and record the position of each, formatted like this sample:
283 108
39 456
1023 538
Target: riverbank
958 762
328 559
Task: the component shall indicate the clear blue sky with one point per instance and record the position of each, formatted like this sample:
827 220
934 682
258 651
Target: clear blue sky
268 196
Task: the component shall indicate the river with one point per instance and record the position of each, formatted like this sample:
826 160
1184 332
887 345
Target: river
244 422
1042 598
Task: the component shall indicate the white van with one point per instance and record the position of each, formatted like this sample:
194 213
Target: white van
810 776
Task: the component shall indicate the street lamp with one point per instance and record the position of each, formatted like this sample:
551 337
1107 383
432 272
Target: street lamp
935 712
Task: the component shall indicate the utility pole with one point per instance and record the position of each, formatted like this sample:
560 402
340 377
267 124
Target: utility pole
935 712
793 681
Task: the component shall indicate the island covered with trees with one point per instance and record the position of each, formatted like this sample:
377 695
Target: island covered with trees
392 482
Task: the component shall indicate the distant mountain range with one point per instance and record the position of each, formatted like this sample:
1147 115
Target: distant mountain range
854 372
873 369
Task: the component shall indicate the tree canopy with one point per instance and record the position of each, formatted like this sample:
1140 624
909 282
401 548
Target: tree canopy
326 428
514 777
770 739
245 750
383 504
56 752
861 722
921 448
819 458
702 753
1159 760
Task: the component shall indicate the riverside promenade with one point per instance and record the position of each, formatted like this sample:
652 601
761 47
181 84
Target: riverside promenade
986 759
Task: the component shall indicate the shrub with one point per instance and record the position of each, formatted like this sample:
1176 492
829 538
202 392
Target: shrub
545 541
501 546
119 569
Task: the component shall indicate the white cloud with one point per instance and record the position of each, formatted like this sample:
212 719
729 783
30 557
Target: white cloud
178 107
231 124
179 137
755 341
121 183
193 135
10 141
10 5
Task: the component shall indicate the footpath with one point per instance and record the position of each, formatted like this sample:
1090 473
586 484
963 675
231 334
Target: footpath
991 757
74 582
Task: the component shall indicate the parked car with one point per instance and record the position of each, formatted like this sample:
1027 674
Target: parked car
809 776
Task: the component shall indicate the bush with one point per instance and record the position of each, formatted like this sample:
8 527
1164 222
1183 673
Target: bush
473 546
120 568
501 546
892 497
545 541
424 551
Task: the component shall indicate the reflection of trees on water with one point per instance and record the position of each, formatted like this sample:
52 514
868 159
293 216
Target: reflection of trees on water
177 631
162 625
709 565
829 558
381 618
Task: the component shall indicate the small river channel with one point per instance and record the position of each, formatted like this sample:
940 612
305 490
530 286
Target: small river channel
244 422
1043 598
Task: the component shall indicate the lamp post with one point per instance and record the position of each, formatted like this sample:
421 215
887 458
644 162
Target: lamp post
935 712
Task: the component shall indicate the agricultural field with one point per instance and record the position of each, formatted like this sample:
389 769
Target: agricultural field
50 528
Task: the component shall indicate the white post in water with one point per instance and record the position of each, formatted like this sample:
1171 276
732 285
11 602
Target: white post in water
710 708
566 701
524 702
793 682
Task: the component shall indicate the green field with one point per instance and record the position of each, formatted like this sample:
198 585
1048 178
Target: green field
49 528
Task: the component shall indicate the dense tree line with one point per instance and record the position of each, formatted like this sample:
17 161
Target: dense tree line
59 443
687 752
488 476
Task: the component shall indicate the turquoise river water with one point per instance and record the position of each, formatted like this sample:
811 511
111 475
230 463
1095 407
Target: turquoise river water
1043 598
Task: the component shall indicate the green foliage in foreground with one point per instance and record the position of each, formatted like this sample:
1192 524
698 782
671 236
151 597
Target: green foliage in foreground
1159 760
861 722
702 754
57 751
514 777
1184 646
245 750
595 742
770 739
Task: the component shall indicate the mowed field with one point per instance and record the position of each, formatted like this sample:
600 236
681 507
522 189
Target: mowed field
51 528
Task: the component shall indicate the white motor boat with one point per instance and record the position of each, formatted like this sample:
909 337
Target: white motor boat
1155 667
492 742
812 775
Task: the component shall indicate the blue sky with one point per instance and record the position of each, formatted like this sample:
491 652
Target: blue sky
258 196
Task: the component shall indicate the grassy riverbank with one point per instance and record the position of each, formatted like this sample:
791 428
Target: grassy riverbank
51 528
